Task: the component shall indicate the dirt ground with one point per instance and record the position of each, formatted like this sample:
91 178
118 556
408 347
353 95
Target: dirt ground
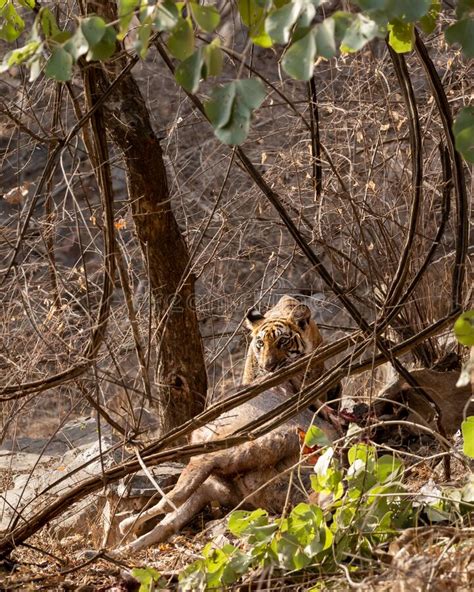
245 258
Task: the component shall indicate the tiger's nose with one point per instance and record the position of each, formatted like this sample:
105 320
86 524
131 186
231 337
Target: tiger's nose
271 365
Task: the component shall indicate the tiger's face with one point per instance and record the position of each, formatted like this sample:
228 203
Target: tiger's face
276 342
287 331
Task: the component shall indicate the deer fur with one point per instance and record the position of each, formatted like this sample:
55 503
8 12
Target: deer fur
231 476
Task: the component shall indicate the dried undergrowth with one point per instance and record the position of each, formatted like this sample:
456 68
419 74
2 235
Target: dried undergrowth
241 252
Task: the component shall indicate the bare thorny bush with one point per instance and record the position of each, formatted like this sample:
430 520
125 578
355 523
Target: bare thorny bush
357 221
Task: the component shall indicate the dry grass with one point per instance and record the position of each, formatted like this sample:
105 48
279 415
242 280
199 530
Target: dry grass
242 255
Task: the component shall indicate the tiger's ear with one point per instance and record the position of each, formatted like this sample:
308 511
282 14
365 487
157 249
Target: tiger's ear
253 318
301 315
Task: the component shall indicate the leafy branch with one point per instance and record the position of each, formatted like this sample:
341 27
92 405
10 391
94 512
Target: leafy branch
300 26
365 506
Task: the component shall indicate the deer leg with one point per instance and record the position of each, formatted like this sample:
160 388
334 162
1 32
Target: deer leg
263 452
193 475
213 489
266 451
256 455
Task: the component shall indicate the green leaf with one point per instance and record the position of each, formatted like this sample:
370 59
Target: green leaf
59 66
188 73
261 533
327 538
77 45
230 109
213 59
316 437
126 10
361 452
61 37
11 23
166 16
321 541
387 468
105 48
238 127
27 3
401 36
240 521
48 22
289 552
303 519
361 30
299 59
342 21
409 10
250 12
147 576
216 560
143 39
428 22
253 16
464 7
371 5
251 92
462 33
261 38
436 514
93 29
464 325
147 17
16 57
386 10
237 565
219 107
325 37
181 40
206 17
279 22
307 15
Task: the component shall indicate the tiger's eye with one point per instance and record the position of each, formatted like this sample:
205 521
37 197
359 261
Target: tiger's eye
259 344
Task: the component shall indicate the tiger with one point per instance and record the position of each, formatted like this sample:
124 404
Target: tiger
286 332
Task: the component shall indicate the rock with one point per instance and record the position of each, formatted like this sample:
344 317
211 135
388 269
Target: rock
74 454
38 463
24 461
74 434
140 485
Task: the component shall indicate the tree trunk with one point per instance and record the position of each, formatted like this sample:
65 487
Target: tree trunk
181 368
180 372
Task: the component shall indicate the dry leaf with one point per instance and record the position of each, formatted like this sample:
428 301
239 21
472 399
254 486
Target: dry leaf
308 450
371 186
16 196
120 224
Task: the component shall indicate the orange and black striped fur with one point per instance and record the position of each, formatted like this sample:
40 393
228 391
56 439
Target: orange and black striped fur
286 332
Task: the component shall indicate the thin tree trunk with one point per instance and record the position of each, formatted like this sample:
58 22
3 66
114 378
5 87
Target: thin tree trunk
180 370
181 361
